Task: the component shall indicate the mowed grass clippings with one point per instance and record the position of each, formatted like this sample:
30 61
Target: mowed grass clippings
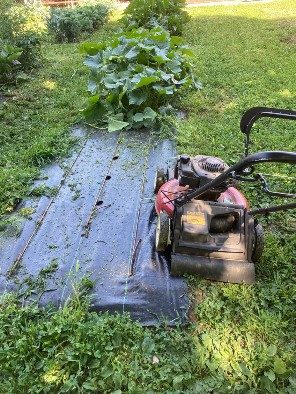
242 338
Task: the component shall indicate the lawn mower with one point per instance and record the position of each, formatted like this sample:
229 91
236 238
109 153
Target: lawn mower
204 221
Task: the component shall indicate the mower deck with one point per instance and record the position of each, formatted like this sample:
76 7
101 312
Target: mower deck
214 269
100 224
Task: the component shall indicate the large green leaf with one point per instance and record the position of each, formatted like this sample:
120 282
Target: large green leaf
118 51
115 125
144 81
92 86
150 71
149 113
112 81
137 97
270 375
160 35
92 62
91 48
94 99
159 59
279 366
138 117
132 53
176 40
165 76
175 66
187 51
165 90
95 110
161 55
145 46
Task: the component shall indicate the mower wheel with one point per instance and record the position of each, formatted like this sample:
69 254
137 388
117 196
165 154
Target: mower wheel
258 243
160 179
162 232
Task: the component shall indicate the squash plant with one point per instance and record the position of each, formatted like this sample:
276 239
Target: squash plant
9 63
170 14
135 76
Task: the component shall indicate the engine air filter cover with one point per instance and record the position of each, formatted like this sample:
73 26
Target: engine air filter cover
208 166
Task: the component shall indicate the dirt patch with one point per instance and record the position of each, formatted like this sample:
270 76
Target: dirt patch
291 40
289 31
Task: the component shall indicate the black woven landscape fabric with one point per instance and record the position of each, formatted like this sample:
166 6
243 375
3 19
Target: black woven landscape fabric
99 225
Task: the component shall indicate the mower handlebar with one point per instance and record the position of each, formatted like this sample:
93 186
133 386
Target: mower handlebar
252 114
238 168
262 157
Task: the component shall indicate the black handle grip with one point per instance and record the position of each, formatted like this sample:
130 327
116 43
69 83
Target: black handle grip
252 114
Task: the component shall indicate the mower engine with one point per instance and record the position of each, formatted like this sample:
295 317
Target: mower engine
199 170
204 221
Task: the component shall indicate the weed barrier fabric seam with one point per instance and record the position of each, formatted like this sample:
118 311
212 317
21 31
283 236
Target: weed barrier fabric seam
87 223
134 244
118 252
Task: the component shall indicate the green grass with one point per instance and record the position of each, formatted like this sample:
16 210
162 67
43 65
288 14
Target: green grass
36 117
242 338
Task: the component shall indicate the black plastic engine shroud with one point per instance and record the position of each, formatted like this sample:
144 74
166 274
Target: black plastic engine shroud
198 171
201 243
